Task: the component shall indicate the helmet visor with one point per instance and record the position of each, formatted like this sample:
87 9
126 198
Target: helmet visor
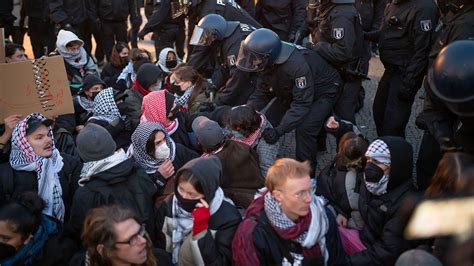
249 61
201 37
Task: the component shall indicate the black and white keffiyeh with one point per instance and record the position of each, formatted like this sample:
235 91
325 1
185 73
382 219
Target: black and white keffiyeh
138 148
379 151
184 99
89 169
23 158
85 103
105 107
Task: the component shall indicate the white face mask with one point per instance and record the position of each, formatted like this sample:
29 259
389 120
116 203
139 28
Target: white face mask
162 152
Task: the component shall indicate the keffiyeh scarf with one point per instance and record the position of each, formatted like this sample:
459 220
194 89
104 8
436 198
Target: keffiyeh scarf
138 148
77 59
23 158
105 107
154 110
85 103
183 221
252 139
184 99
90 169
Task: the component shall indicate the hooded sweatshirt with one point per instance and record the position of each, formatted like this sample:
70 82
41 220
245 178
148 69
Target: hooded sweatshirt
162 59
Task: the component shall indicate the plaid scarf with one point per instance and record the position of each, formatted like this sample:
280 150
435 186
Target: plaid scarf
184 99
154 110
105 107
23 158
138 147
252 139
90 169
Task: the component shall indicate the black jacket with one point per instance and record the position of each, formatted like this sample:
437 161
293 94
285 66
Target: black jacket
116 10
38 9
302 79
230 10
339 37
284 17
73 12
28 181
383 230
123 184
110 74
269 251
237 84
406 38
161 18
371 13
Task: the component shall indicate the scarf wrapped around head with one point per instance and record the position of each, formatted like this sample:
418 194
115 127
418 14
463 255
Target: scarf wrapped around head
77 59
105 107
138 148
252 139
309 231
23 158
155 108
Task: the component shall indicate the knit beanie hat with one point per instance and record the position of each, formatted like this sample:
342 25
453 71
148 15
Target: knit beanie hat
94 143
417 257
379 151
148 74
91 80
208 132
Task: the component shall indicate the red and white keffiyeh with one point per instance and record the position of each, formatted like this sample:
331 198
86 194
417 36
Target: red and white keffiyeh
23 158
154 110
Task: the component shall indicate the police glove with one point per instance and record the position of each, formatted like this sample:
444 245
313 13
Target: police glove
207 107
212 89
271 135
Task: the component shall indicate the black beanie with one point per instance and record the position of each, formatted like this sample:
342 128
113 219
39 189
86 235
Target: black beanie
91 80
148 74
169 101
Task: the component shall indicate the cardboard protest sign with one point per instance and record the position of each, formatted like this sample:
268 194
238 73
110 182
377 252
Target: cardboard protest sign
2 45
38 86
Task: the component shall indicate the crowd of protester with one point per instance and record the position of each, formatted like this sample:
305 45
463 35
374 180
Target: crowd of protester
186 161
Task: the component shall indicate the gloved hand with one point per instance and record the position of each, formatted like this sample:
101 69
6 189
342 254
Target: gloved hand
211 89
201 217
271 135
141 35
207 107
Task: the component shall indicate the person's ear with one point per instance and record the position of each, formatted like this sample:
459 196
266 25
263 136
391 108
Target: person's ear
101 249
277 195
27 240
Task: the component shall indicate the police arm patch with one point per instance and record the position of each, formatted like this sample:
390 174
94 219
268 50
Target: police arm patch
425 25
300 82
338 33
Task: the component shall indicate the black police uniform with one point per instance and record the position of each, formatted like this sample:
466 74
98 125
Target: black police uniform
404 45
371 15
237 84
438 121
284 17
339 40
40 27
307 88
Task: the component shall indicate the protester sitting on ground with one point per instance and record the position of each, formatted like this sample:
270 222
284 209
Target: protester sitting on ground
340 181
387 182
200 222
36 165
15 53
108 176
129 73
168 60
157 154
241 175
113 235
77 61
188 87
148 79
84 100
288 224
30 237
107 114
119 59
247 126
7 129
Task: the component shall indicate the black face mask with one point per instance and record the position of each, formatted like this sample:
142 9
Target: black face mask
6 251
170 64
174 112
373 173
124 60
187 204
94 94
176 89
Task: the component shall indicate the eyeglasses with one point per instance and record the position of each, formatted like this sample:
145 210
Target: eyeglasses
135 239
301 195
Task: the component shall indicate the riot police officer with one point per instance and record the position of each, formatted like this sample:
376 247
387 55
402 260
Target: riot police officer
305 85
404 44
448 112
284 17
221 39
167 31
339 40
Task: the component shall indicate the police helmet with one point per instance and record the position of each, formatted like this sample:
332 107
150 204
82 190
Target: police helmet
451 77
260 49
211 27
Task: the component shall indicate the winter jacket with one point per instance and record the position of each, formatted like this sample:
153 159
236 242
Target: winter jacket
212 246
22 181
383 230
110 74
74 12
123 184
133 101
116 10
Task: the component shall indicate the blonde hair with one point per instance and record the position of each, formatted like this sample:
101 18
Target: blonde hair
283 169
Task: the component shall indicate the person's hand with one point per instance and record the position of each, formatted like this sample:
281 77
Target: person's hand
207 107
341 220
166 169
141 35
332 123
11 121
201 215
271 135
79 128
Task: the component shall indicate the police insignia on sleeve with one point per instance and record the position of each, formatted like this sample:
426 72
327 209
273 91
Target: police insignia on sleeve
338 33
425 25
231 60
300 82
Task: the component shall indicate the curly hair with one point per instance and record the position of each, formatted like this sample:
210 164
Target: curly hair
244 119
